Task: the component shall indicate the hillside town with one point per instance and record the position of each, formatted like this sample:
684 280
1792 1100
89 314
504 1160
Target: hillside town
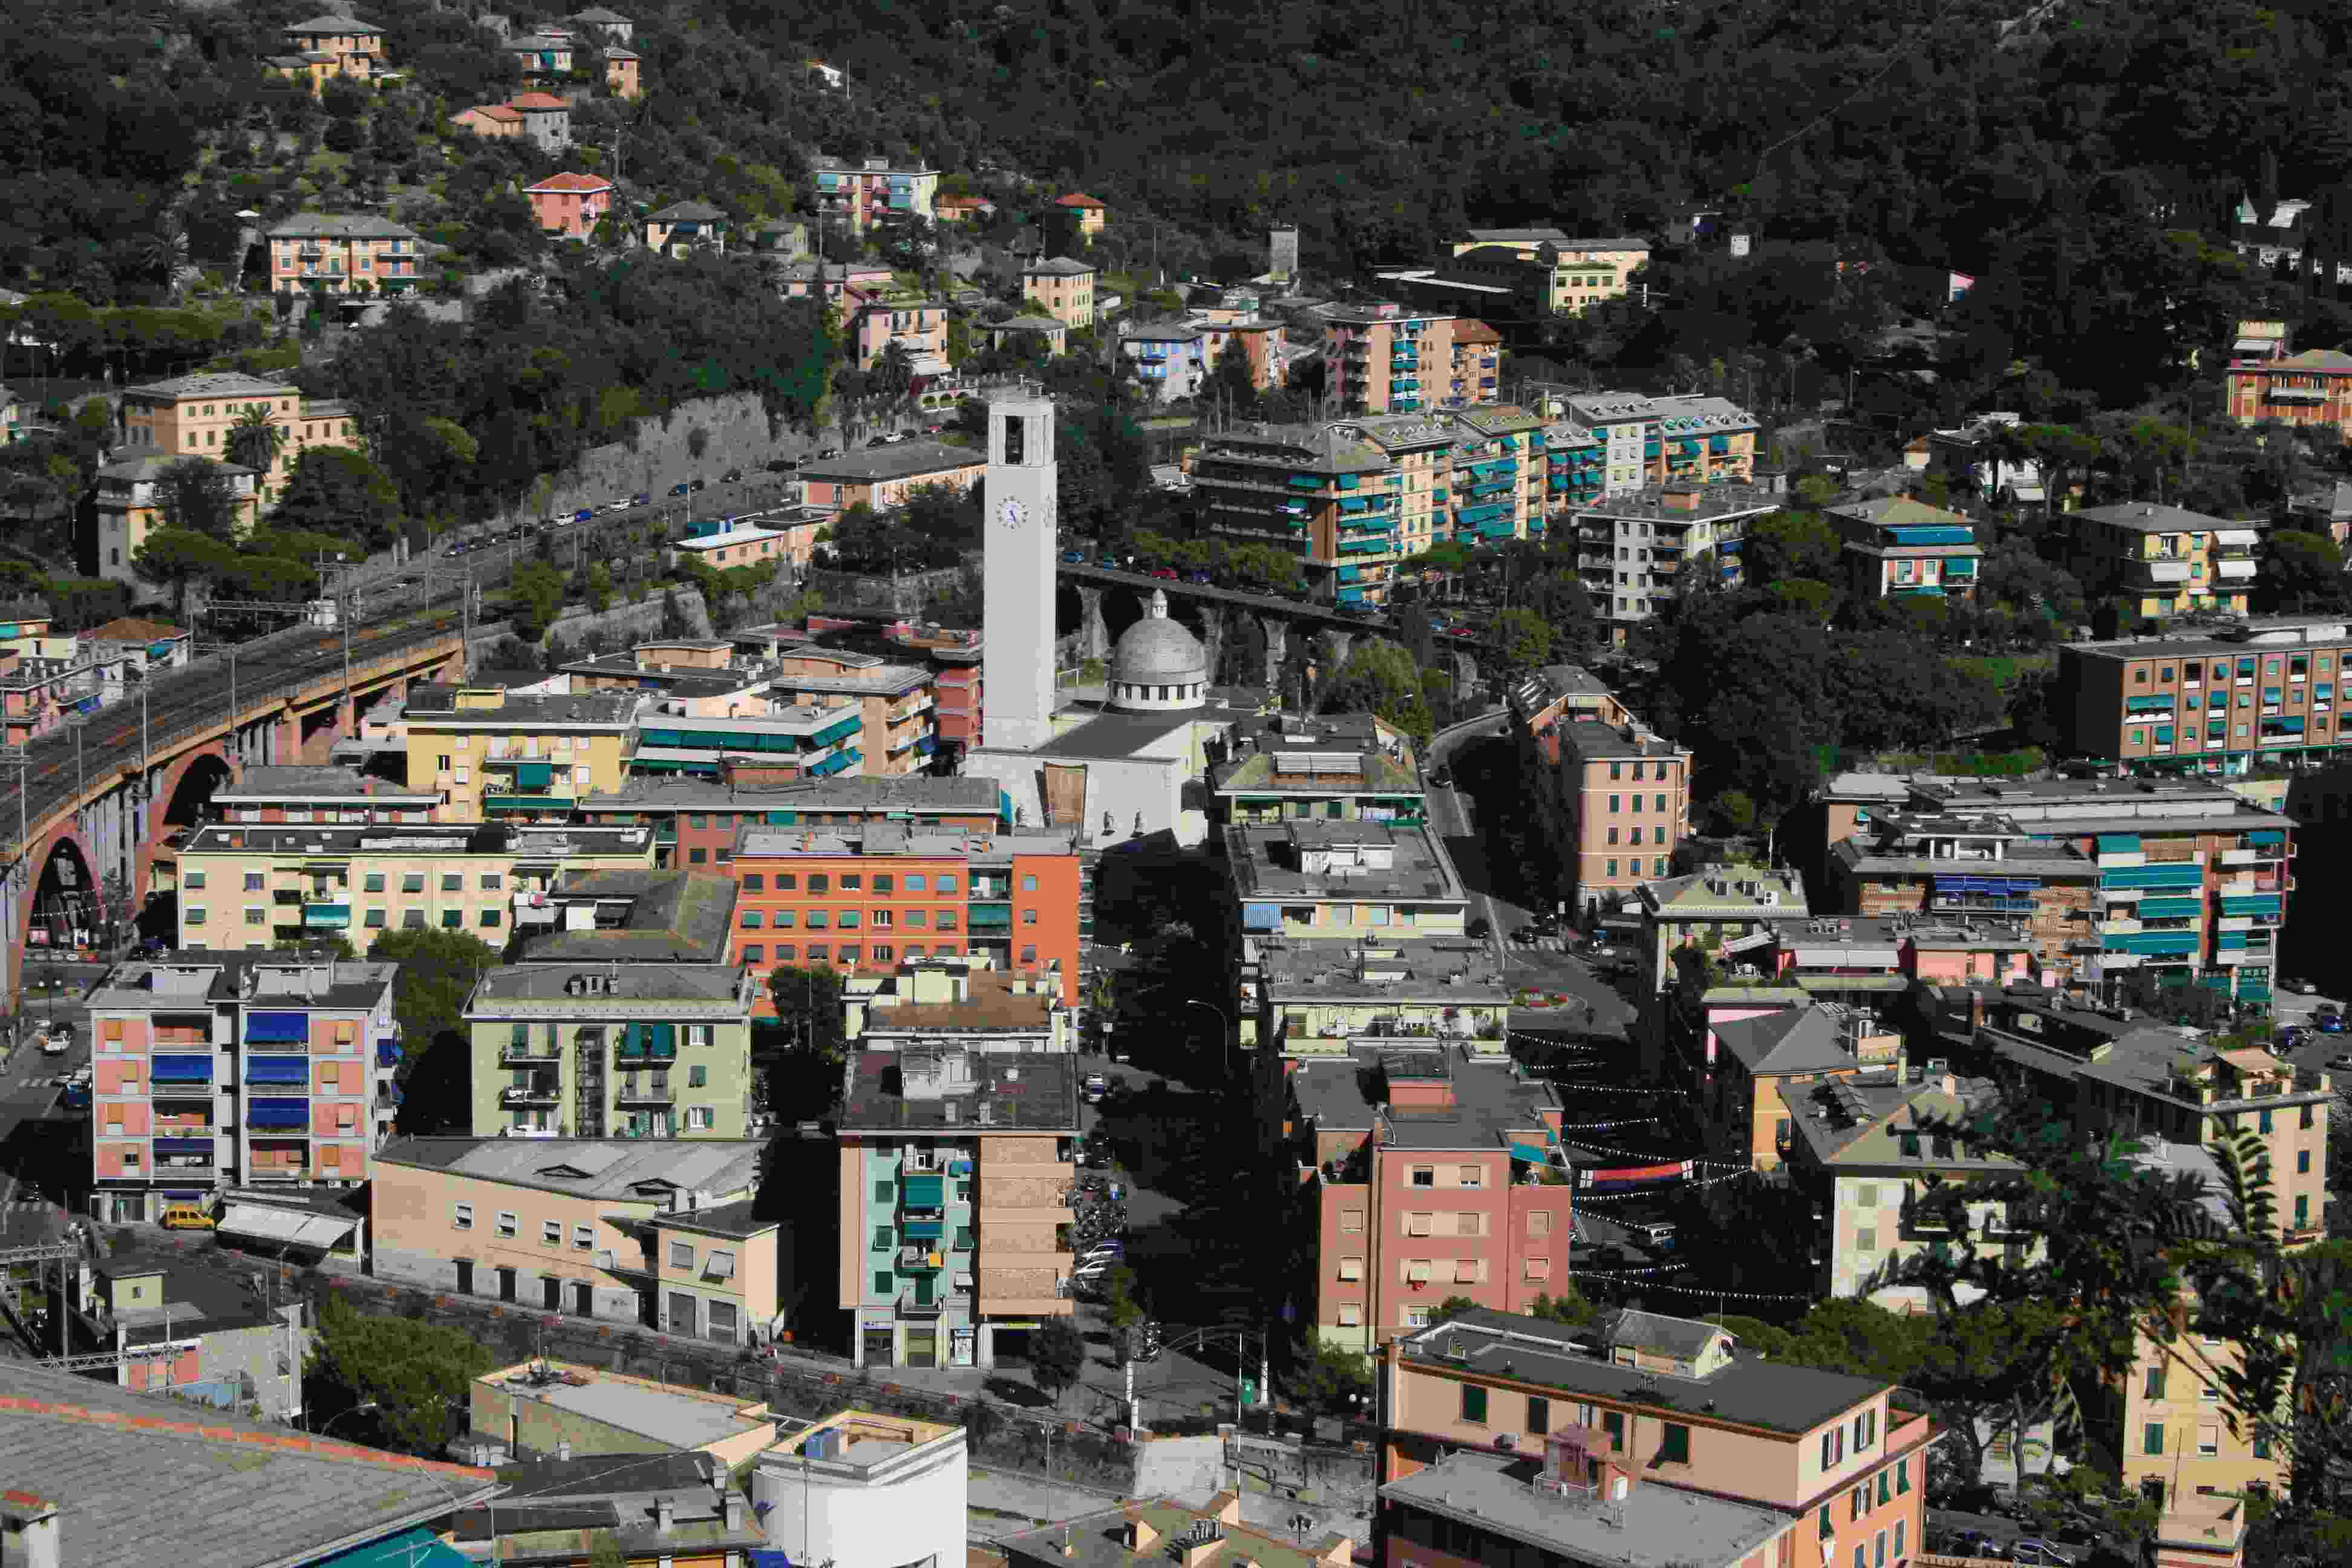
781 782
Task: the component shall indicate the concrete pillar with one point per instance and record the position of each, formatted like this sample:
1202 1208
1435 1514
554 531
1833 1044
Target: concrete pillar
1337 643
1094 633
1212 636
1277 639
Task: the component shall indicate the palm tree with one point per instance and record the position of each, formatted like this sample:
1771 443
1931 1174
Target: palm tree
164 253
254 440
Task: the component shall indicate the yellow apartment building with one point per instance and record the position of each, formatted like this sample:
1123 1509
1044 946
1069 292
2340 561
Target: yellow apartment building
1419 448
255 885
581 1047
343 253
2163 560
195 414
1063 289
127 510
657 1233
516 756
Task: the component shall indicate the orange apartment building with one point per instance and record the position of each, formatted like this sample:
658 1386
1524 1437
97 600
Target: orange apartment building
1063 289
343 253
1614 802
239 1071
195 415
2311 388
1649 1440
570 205
1390 359
867 898
1426 1171
882 476
2267 694
917 326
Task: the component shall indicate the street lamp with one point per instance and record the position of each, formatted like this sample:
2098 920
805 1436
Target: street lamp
1223 1019
360 1408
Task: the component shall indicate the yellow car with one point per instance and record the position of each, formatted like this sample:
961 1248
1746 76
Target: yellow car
186 1216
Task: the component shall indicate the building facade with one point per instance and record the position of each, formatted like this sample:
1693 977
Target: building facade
1899 548
612 1050
491 752
240 1070
570 205
2266 695
1635 549
882 476
195 416
858 196
2313 388
682 228
343 253
1390 359
2161 560
128 504
1063 289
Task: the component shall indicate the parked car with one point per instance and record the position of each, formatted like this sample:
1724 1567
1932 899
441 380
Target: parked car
877 440
1970 1543
699 484
828 452
1444 775
1479 930
1165 574
783 465
1074 557
733 476
184 1217
641 498
584 515
681 488
1115 1250
1098 1085
1108 563
1196 576
2035 1552
2330 1022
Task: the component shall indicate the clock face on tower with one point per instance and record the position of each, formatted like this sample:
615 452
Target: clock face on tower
1013 514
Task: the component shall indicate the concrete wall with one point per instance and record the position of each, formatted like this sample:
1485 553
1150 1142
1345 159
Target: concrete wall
906 596
738 439
1191 1469
638 622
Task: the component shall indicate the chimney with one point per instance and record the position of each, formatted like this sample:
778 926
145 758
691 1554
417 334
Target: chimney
32 1527
665 1513
1141 1537
563 1448
734 1512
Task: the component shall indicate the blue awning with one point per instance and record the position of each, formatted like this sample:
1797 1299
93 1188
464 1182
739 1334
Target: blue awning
2118 843
281 1115
184 1146
1530 1152
924 1191
277 1069
277 1028
2267 836
420 1548
183 1069
1261 917
534 777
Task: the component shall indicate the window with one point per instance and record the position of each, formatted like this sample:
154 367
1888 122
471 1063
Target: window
1351 1316
1539 1415
256 915
2152 1384
1885 1487
1418 1223
507 1224
2151 1437
465 1216
1878 1551
818 882
755 953
1613 1423
1351 1222
1827 1529
1674 1444
1473 1176
412 882
1424 1175
1902 1476
753 920
1473 1405
2208 1442
881 1283
1029 918
492 881
583 1237
551 1232
884 1193
452 881
489 916
681 1255
1351 1268
1899 1525
196 880
2262 1445
1614 802
253 881
753 882
1866 1238
1857 1502
914 883
2303 1160
196 914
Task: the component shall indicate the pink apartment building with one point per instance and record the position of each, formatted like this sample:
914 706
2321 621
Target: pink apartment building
1434 1174
570 205
1649 1440
245 1070
1618 803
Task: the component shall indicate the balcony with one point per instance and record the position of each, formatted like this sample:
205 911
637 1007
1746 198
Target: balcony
2163 573
542 1093
656 1091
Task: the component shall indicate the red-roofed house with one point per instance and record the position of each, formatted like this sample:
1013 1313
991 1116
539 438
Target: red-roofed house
568 205
1092 213
960 209
2314 387
490 120
546 118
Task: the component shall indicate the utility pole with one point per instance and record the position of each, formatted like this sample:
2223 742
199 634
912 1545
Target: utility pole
341 599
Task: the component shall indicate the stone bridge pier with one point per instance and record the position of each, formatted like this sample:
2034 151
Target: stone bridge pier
1277 645
1335 646
1212 637
1094 633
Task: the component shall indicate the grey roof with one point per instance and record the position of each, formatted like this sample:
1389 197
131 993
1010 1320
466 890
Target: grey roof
538 989
1655 1526
1505 236
196 980
439 704
330 25
1156 649
677 917
1798 1039
600 1476
143 465
339 226
676 1418
1026 324
599 14
1682 1338
611 1169
1059 266
905 460
1008 1091
687 212
912 792
292 780
1492 1104
413 838
2152 517
123 1466
1749 1390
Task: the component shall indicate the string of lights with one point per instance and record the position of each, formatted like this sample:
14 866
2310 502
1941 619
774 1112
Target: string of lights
1707 1289
1582 1198
1599 1126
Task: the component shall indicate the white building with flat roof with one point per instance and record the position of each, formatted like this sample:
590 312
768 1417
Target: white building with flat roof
862 1490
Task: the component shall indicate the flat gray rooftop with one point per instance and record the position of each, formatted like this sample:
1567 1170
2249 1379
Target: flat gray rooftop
1655 1526
677 1419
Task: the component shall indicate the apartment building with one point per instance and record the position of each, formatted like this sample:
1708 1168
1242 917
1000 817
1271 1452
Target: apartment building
1339 882
1971 457
1063 289
693 820
653 1232
634 1512
1767 1062
40 691
570 205
1651 1440
859 196
1390 359
798 741
344 253
2191 877
928 1000
1970 861
574 1049
1174 357
1632 548
487 751
2260 696
1471 371
1899 548
254 886
917 326
1386 1128
543 58
1581 271
1318 491
681 228
1092 215
195 416
1301 999
2161 560
1868 1150
1645 440
1337 767
352 47
1576 466
1498 486
870 897
1419 450
1612 802
1725 913
128 489
209 1073
2311 389
882 476
956 1161
294 794
1148 1532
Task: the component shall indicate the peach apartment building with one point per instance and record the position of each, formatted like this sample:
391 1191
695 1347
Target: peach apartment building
1617 802
195 415
1063 289
343 253
127 509
1502 1434
570 205
351 48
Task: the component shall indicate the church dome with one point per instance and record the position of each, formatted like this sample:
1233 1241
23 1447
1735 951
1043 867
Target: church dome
1158 665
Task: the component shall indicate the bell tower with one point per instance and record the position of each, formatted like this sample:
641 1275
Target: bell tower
1017 572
